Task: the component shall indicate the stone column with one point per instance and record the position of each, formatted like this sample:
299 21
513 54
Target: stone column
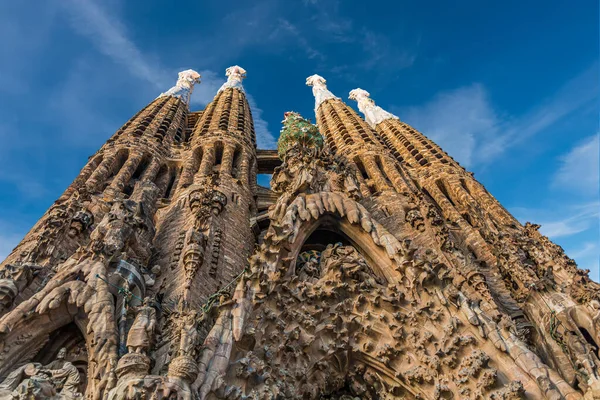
374 173
226 163
126 172
163 182
101 173
84 175
392 172
471 236
190 168
490 203
208 161
151 171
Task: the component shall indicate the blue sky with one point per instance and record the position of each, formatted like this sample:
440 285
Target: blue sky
510 90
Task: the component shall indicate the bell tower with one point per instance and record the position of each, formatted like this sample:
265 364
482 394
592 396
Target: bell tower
373 267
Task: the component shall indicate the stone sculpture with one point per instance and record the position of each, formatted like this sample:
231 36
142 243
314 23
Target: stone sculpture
374 267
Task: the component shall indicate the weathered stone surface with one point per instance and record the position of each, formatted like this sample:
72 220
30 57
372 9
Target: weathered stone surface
375 268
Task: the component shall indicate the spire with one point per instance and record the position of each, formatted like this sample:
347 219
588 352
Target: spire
319 89
234 74
184 86
373 114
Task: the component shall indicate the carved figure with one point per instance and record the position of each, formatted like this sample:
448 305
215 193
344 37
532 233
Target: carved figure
65 374
119 230
189 333
141 333
81 221
374 267
27 383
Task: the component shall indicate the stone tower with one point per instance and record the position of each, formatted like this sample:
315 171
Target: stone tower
374 267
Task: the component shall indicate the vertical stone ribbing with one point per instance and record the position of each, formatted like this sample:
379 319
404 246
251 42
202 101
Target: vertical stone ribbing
220 163
430 162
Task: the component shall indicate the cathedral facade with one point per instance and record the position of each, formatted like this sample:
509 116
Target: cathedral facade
374 267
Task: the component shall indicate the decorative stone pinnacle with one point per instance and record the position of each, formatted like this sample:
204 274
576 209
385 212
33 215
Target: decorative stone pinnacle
297 131
184 86
319 90
373 113
235 74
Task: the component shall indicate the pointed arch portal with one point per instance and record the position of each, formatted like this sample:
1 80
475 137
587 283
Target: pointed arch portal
331 228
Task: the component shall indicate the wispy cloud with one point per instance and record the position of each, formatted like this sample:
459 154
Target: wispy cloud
587 249
381 52
577 223
264 137
206 91
290 28
22 45
579 168
327 19
579 92
458 121
573 219
110 37
466 124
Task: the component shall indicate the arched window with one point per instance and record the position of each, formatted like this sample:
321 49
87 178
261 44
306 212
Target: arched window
137 174
118 163
218 157
235 165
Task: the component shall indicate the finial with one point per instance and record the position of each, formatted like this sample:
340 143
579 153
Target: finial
297 131
184 86
319 90
234 74
373 113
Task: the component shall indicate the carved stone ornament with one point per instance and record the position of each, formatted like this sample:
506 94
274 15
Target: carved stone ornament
373 113
319 89
235 75
373 267
184 86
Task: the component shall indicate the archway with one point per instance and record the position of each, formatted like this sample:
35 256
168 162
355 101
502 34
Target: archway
331 228
72 340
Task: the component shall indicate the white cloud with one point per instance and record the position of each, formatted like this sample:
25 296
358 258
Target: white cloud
110 37
466 125
573 219
579 168
586 250
457 121
290 28
264 137
205 92
577 93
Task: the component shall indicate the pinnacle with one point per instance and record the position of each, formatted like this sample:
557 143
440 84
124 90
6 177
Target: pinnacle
235 74
297 131
184 86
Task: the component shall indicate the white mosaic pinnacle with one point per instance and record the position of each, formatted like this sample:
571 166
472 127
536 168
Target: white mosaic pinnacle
235 74
373 113
184 86
319 90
